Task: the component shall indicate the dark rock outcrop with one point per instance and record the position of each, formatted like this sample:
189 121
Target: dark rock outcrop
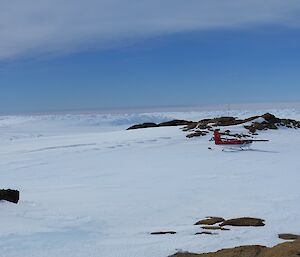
190 126
10 195
242 251
288 249
289 236
198 133
244 221
270 118
143 125
163 233
272 122
225 121
201 128
214 228
173 123
205 233
261 126
210 221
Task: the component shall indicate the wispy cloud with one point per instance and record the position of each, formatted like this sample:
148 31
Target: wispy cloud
35 27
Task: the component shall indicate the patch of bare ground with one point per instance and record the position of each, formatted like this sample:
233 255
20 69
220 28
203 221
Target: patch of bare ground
244 222
214 228
288 249
164 233
205 233
288 236
210 221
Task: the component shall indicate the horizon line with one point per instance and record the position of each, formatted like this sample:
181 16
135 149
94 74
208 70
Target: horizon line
160 108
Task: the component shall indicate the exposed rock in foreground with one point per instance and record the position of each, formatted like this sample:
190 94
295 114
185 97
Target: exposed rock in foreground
245 221
289 237
210 221
205 233
214 228
197 134
289 249
164 233
10 195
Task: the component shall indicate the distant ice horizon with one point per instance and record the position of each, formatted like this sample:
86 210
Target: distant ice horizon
158 108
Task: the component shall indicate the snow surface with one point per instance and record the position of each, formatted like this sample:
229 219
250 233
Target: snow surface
91 188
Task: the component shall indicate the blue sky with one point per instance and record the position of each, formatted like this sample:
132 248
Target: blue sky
209 53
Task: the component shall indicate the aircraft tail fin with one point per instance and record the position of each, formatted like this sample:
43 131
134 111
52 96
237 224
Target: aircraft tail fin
217 137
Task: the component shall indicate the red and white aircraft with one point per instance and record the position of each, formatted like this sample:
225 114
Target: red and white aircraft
240 143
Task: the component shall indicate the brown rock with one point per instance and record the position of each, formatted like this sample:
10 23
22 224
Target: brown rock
163 233
174 123
226 121
10 195
250 119
270 118
197 134
243 251
214 228
251 129
162 124
143 125
210 221
289 249
190 126
245 221
205 233
272 126
260 126
271 122
288 236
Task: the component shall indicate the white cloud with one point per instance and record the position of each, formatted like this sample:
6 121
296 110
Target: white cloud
33 27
